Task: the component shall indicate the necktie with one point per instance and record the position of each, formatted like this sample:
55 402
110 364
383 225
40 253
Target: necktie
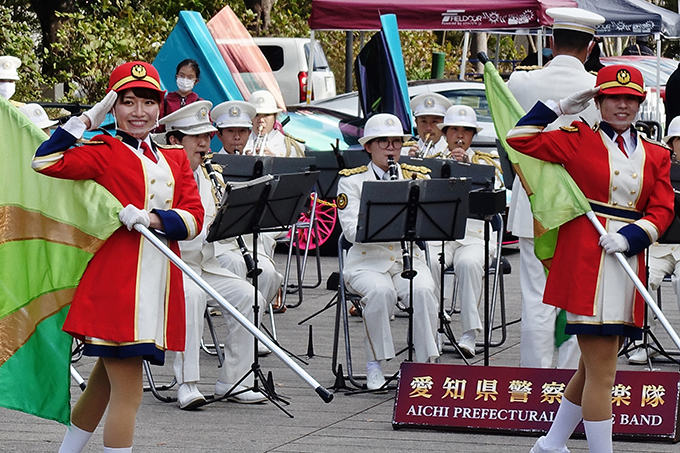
619 141
148 153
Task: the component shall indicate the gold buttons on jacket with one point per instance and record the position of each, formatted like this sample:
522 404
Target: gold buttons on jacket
363 253
391 258
634 175
616 172
633 192
169 183
153 181
615 187
615 203
391 247
630 203
151 196
168 201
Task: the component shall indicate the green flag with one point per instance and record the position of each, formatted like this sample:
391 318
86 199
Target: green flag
555 198
50 230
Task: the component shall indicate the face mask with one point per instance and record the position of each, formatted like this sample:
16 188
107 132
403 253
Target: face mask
7 89
185 84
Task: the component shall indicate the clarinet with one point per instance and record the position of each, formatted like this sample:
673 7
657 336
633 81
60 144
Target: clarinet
407 269
250 263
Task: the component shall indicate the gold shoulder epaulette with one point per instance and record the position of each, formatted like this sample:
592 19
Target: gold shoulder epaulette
409 143
418 169
596 127
353 171
528 68
158 145
569 128
91 142
649 140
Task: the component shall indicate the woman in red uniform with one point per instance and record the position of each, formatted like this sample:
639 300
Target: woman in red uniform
626 179
129 304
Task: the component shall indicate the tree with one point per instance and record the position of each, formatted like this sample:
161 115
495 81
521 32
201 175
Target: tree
50 22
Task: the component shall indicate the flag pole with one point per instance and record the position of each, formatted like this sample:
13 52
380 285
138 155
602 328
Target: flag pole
638 284
177 261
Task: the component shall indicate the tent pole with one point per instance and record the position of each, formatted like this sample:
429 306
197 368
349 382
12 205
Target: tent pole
463 57
539 47
349 60
657 37
310 67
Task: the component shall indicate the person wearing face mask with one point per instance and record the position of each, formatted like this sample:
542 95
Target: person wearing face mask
373 270
626 179
187 75
129 304
8 77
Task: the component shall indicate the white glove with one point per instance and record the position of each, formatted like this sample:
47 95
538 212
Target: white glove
613 242
98 112
577 102
130 215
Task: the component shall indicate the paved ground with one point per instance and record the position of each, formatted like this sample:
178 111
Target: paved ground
356 423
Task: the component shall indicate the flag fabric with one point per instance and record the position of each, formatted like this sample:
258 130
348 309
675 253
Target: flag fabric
50 230
554 196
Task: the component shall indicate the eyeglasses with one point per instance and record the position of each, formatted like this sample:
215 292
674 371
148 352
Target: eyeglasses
384 143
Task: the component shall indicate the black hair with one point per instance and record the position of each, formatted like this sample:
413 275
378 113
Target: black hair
467 128
144 93
571 39
177 134
193 64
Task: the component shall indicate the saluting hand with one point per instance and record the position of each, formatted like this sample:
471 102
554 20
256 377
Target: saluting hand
577 102
95 116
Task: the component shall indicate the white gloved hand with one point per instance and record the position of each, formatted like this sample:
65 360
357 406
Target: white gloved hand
577 102
130 215
98 112
613 242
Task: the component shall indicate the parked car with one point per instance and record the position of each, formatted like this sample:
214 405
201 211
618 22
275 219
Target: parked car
458 92
288 58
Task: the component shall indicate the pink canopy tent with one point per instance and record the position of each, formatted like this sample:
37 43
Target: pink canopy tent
433 14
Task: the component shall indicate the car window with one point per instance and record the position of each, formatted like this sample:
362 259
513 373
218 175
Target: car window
274 55
320 61
473 98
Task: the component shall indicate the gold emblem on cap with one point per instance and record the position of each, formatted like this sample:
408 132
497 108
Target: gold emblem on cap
429 102
7 65
462 112
234 112
389 122
202 114
138 71
623 77
260 100
37 112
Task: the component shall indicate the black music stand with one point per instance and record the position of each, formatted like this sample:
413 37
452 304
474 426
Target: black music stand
237 167
266 202
411 210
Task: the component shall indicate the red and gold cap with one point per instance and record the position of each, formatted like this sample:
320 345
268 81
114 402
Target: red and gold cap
135 74
621 79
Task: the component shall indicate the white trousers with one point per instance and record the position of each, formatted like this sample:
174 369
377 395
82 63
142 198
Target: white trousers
238 342
537 341
268 282
468 263
379 291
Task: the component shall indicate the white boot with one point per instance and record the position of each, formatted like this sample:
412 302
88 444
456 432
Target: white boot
599 435
118 450
75 440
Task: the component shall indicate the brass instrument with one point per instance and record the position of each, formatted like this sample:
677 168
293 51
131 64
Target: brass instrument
428 146
407 269
219 193
258 146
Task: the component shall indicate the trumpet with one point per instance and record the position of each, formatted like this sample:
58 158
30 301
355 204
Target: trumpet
219 193
258 146
427 147
407 268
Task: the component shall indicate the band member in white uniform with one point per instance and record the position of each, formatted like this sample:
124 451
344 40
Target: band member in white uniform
573 31
373 270
428 110
466 255
190 127
233 120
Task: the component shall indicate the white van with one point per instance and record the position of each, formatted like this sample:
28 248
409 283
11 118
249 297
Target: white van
288 60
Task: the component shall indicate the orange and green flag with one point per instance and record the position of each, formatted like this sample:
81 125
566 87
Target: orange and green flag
49 230
555 198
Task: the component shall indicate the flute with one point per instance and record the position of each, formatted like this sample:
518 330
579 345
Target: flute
219 193
407 268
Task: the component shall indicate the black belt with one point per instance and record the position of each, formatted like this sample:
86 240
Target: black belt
616 213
